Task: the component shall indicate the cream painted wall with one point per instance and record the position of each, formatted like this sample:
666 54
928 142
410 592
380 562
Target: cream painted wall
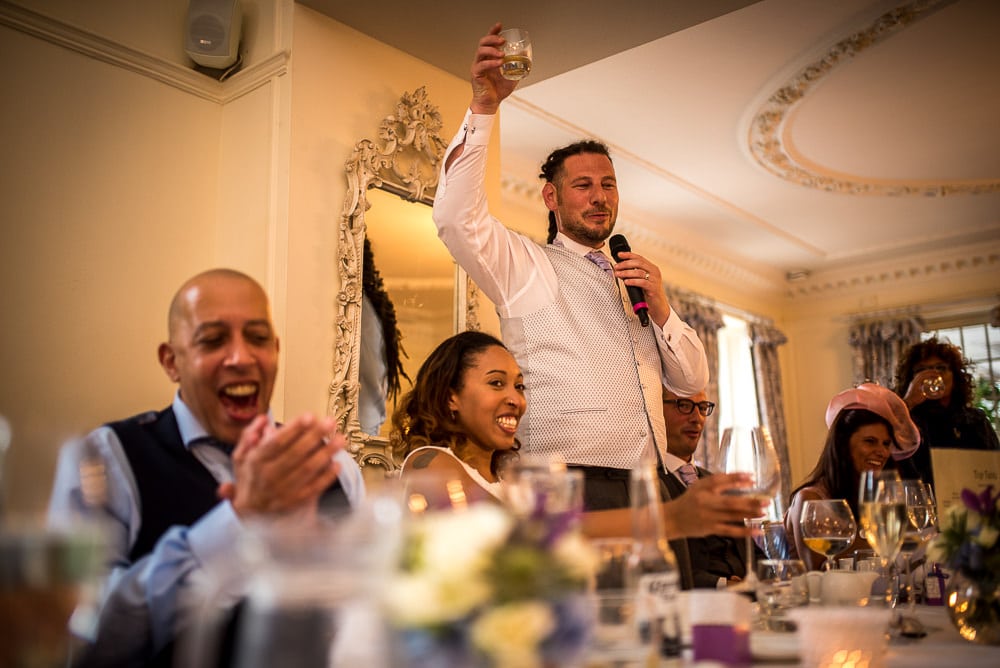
115 188
108 199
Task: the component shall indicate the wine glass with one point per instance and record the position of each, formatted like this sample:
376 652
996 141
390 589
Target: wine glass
750 450
828 527
932 387
883 518
781 585
922 516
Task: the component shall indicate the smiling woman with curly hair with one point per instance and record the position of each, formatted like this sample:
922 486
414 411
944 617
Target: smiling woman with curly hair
948 421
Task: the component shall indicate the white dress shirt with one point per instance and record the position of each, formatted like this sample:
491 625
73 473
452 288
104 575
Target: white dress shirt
513 271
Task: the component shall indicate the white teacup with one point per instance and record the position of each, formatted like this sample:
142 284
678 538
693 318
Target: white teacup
839 587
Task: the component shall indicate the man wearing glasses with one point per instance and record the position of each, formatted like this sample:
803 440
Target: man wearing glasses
716 561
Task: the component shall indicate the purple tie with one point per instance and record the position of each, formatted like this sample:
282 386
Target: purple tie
601 260
689 474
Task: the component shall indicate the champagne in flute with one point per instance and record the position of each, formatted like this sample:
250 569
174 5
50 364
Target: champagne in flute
883 524
883 518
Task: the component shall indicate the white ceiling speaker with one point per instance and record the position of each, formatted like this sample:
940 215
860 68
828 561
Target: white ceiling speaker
213 31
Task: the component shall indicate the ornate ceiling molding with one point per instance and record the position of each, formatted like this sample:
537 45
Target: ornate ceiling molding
967 260
767 129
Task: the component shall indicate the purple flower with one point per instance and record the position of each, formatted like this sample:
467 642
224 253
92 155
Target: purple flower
981 503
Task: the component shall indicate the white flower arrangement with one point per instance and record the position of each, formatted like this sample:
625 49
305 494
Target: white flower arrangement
505 578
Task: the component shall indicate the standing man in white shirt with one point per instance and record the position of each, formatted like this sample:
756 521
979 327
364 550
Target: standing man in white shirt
593 373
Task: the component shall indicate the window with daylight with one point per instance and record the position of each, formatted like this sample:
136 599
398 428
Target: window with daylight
980 343
737 386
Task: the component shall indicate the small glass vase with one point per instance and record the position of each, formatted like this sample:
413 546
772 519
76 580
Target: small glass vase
974 607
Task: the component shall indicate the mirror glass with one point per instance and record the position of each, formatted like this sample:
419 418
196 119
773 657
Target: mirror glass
391 183
418 274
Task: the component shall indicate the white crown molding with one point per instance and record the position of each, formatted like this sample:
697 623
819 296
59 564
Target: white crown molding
944 263
768 128
104 50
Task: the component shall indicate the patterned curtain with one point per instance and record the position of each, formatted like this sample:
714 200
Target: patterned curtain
764 342
878 345
706 320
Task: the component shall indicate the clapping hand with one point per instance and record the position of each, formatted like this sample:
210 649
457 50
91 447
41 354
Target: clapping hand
278 470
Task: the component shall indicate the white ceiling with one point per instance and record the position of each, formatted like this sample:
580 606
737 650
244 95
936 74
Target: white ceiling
888 154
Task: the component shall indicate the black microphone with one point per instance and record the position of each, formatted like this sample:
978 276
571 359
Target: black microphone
617 244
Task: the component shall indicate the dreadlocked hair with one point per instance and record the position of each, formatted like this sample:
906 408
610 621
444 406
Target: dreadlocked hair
374 289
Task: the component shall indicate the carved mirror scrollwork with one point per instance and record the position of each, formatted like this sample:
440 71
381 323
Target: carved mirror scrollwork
404 160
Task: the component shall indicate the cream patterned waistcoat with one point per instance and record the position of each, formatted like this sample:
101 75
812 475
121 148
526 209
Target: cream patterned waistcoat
584 357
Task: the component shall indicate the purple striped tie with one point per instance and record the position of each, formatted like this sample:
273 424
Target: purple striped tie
689 474
601 260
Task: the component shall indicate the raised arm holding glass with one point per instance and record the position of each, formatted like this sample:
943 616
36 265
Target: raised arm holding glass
933 379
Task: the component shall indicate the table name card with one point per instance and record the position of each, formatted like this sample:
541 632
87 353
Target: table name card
956 469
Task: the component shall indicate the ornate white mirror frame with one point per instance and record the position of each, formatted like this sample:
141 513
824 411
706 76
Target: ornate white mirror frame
405 160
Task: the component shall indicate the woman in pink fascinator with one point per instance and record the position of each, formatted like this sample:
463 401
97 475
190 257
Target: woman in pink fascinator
869 429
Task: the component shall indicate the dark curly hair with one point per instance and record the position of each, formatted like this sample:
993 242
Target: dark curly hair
835 468
422 417
552 168
962 383
374 289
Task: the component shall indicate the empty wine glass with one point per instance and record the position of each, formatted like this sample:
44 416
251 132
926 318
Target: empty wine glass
922 516
828 527
750 450
781 586
883 518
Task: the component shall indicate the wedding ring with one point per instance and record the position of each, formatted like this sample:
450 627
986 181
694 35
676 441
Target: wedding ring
647 275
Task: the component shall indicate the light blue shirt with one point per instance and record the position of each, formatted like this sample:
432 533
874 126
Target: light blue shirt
147 603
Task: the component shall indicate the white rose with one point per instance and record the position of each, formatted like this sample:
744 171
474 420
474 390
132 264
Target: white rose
988 537
510 634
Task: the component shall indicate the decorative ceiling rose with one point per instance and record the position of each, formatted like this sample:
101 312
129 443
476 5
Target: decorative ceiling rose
766 129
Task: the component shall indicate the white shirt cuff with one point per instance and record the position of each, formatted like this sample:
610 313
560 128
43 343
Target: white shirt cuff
478 128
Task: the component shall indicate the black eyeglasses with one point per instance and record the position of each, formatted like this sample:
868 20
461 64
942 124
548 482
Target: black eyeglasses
686 406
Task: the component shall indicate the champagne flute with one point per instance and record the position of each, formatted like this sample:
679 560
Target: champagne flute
828 527
883 518
750 450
